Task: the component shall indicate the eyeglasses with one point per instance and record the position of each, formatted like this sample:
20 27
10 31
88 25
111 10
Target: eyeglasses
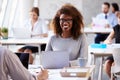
66 20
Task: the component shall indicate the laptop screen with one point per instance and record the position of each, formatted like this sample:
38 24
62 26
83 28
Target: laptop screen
21 33
24 58
55 59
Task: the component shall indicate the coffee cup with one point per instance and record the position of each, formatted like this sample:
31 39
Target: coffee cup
82 62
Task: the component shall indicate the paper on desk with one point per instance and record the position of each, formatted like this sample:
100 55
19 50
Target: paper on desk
34 66
78 70
99 23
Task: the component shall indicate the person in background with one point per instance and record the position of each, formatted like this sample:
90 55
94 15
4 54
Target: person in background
10 65
110 17
115 8
37 30
114 34
68 25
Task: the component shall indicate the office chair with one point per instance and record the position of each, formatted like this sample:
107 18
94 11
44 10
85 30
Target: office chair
115 70
42 48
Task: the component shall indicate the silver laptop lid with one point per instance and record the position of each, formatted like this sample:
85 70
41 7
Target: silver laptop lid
21 33
55 59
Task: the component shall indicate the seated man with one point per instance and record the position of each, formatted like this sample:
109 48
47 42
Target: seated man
11 66
109 17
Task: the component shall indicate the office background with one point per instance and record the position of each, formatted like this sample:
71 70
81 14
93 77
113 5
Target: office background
14 12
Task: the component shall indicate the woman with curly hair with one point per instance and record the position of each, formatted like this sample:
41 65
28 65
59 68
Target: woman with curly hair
68 25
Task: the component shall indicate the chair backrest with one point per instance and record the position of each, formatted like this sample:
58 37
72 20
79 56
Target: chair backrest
116 56
115 70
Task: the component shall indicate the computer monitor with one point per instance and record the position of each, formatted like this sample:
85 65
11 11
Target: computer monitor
24 58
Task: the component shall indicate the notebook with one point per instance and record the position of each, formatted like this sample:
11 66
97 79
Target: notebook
55 59
21 33
99 23
24 58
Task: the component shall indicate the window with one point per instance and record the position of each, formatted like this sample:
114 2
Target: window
3 11
35 4
13 12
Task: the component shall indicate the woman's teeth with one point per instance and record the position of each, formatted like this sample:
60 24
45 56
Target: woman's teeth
65 27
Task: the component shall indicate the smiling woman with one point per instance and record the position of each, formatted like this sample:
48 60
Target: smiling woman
67 25
68 15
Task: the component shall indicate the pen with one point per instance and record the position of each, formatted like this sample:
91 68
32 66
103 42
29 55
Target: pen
41 67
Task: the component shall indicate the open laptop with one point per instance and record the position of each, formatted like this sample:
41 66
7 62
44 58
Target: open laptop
55 59
24 58
21 33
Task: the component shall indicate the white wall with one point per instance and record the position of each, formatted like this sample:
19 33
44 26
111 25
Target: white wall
48 8
89 8
92 7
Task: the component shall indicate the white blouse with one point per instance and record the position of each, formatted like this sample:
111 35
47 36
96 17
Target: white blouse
39 27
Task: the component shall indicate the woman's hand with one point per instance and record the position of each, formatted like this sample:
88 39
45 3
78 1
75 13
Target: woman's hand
107 42
40 35
43 75
107 26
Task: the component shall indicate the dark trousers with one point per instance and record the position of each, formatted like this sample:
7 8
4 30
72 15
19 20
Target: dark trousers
34 49
100 37
43 46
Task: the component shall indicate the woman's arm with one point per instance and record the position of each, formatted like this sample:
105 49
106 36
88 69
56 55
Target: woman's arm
110 37
83 50
49 45
40 35
83 47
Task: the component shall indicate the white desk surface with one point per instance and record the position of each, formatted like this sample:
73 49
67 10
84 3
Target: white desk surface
104 51
98 30
99 52
24 41
54 74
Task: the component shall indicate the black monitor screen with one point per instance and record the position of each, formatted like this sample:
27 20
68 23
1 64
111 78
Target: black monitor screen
24 58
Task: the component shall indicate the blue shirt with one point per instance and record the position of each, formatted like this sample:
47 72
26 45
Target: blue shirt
111 18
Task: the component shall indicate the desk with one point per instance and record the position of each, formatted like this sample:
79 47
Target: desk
54 74
31 41
97 52
13 41
89 30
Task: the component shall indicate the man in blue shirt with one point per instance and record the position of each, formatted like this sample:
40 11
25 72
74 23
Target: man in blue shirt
111 19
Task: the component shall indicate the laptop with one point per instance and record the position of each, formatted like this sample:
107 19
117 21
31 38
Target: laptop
54 59
21 33
24 58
